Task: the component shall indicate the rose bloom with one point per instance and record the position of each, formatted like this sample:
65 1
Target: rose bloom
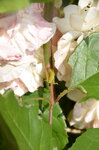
81 17
79 21
21 56
85 114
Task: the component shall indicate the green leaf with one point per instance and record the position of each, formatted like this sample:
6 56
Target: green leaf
85 60
29 122
13 5
91 85
87 141
7 140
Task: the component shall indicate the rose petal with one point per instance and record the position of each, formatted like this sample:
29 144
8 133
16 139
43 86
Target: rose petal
28 31
91 19
96 123
62 24
84 3
7 21
32 79
66 46
90 115
85 114
9 51
18 87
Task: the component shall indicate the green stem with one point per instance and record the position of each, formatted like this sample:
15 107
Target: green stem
48 11
46 51
48 55
48 66
51 103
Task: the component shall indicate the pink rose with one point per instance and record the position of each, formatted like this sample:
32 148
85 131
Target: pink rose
21 57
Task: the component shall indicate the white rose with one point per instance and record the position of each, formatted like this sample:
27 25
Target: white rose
88 3
85 115
80 18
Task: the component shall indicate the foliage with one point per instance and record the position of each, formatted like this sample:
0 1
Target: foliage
85 66
87 141
13 5
29 123
91 85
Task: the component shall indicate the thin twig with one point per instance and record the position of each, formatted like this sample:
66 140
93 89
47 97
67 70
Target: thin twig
36 98
62 94
51 103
